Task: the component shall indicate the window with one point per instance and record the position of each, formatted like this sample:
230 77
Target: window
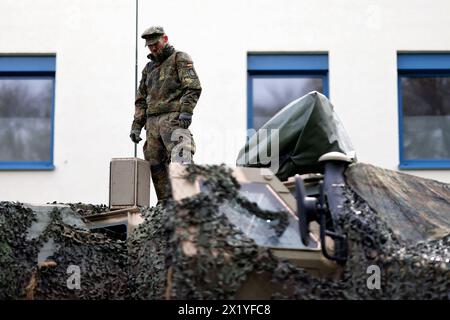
263 195
260 230
275 80
116 231
27 86
424 110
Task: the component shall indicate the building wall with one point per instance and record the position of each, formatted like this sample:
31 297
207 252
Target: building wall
94 46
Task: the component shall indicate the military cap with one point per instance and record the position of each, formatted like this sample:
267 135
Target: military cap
152 34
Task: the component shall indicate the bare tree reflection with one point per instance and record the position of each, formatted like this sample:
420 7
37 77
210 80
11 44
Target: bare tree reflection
426 111
270 95
25 119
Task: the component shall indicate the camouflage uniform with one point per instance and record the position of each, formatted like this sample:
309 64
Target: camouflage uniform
168 87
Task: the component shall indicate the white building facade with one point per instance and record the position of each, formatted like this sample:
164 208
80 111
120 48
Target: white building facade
383 64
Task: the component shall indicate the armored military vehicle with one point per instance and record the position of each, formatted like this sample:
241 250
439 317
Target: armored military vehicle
314 225
303 212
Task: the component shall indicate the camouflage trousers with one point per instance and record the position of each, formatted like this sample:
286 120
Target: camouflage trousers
166 142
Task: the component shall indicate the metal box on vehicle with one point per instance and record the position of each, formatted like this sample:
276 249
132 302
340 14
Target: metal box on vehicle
129 183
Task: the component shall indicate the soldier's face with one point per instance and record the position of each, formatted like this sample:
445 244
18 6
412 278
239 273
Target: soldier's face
158 46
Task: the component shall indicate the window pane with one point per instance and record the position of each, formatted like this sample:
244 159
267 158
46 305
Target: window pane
262 195
260 230
270 95
426 117
25 119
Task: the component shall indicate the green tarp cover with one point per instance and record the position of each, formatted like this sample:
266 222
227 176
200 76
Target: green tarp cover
308 128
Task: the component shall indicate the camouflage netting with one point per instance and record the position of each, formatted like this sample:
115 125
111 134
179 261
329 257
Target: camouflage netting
147 255
86 209
16 256
211 258
26 271
191 250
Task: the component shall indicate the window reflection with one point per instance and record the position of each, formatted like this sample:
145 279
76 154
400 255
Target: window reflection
260 230
271 94
260 194
426 117
25 119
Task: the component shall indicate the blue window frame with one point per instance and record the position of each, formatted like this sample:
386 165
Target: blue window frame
274 80
424 110
27 90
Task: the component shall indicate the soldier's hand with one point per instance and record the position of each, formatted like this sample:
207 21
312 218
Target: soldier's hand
185 120
135 135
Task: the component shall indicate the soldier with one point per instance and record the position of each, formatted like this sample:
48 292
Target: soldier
168 92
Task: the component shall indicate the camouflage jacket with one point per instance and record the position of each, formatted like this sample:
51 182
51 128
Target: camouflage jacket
168 85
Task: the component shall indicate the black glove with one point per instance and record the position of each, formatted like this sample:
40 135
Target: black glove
135 135
185 120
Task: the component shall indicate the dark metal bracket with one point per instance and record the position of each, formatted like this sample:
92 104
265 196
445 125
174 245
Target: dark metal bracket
325 210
